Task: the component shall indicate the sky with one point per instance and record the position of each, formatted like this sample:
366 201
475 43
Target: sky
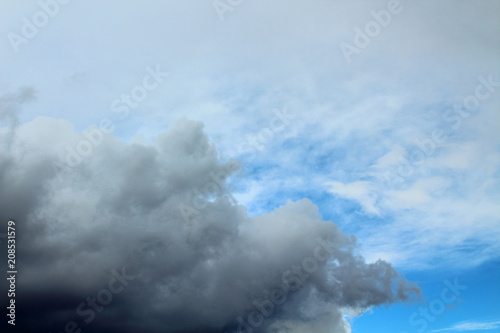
251 166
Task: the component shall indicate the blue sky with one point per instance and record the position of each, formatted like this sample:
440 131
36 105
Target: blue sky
397 143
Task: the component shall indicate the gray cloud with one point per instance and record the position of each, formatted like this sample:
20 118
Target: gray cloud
119 209
10 108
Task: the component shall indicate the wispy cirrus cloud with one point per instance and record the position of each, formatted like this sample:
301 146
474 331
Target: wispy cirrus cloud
360 191
470 326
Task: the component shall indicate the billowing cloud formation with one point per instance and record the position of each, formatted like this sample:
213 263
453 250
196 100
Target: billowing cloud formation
146 238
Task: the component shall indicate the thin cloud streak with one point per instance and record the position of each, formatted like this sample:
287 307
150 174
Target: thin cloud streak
470 326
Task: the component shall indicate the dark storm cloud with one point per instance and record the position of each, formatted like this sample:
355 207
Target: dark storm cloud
112 226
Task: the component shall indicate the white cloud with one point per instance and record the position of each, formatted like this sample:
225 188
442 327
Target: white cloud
359 191
470 326
421 192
